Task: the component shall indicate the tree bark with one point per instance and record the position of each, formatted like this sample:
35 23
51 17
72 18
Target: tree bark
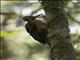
58 31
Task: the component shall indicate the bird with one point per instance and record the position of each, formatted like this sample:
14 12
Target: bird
37 29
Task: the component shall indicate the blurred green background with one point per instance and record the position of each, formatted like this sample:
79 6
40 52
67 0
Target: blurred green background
17 44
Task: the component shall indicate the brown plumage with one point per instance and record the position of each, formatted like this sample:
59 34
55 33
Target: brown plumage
37 29
39 23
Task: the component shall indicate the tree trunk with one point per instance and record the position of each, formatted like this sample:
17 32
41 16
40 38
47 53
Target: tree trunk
58 32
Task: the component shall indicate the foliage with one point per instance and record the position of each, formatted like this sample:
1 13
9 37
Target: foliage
17 44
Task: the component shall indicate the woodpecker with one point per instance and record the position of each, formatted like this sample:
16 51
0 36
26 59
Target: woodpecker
37 29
